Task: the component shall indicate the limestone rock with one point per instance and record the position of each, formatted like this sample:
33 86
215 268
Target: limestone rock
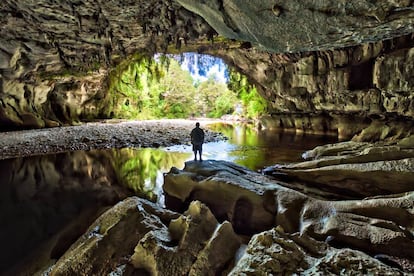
193 244
378 225
323 24
238 193
111 239
344 67
55 56
357 169
342 91
274 252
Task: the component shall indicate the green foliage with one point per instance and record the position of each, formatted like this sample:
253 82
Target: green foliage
143 88
139 169
177 92
254 105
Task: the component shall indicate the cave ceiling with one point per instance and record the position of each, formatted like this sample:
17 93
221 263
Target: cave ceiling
51 51
81 31
295 26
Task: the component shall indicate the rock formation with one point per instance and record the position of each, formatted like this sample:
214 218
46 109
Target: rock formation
274 252
338 61
380 225
137 237
55 57
323 66
298 26
354 169
277 230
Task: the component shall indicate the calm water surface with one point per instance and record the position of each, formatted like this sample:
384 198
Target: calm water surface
45 196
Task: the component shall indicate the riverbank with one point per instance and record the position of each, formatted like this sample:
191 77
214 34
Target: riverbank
101 135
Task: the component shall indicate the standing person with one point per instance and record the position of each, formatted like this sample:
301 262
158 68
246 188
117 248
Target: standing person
197 139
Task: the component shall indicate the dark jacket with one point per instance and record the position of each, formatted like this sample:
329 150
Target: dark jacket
197 136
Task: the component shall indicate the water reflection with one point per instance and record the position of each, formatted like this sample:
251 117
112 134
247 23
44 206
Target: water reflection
142 169
256 149
44 195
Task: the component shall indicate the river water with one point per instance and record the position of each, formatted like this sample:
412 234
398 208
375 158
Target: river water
45 196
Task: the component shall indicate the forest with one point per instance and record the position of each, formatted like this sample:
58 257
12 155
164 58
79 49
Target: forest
149 88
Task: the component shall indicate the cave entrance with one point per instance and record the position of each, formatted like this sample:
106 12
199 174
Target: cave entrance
188 85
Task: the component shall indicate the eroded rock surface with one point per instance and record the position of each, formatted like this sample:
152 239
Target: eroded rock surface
193 244
274 252
362 93
55 57
137 237
341 67
354 168
290 232
378 225
312 25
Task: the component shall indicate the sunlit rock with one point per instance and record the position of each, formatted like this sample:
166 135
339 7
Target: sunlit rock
193 244
111 239
378 225
238 193
356 169
274 252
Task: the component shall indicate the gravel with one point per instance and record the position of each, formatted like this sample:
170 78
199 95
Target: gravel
101 135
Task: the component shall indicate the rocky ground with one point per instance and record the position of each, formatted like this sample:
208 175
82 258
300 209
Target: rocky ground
99 135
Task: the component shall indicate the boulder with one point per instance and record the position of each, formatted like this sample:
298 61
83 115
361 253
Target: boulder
275 252
111 239
355 169
193 244
377 225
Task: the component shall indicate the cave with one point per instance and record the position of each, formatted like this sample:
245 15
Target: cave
323 67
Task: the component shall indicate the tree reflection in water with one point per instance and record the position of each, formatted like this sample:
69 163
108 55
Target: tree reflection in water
142 170
43 196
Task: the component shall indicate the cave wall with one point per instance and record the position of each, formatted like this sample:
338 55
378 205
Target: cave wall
363 92
343 67
56 56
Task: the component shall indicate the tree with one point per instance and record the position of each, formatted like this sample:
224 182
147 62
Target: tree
177 93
